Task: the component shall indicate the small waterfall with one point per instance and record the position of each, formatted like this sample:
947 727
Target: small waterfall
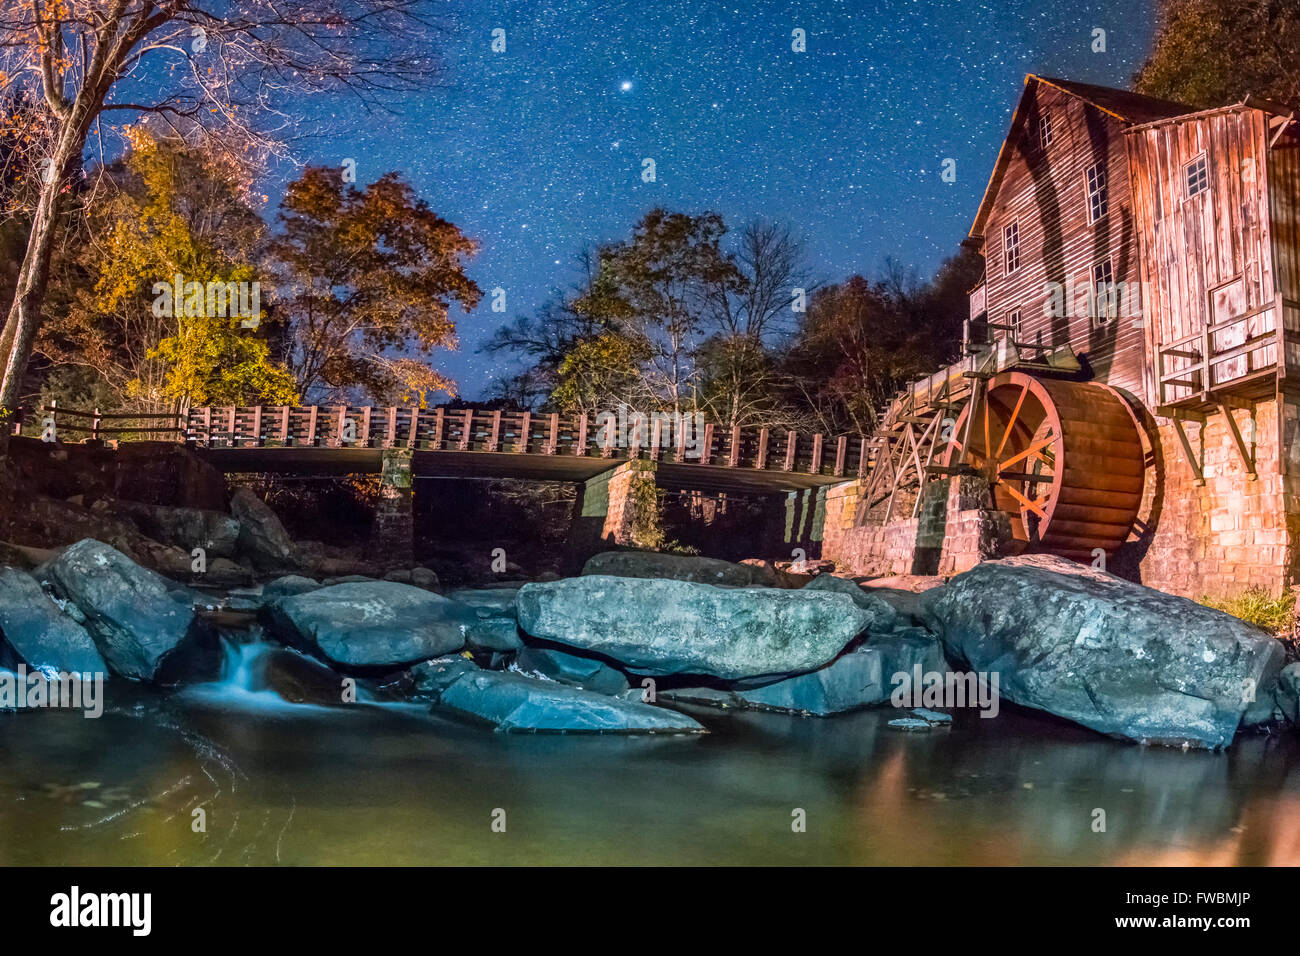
244 684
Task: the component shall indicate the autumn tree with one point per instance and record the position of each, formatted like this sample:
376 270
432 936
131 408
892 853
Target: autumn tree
365 283
215 71
165 211
1211 53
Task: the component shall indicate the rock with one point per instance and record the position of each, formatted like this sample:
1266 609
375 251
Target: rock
1117 657
932 716
571 669
500 601
288 586
424 578
296 678
224 573
514 703
497 628
860 678
370 624
349 579
262 538
143 625
883 615
910 724
39 633
1286 695
676 567
24 558
903 592
704 696
186 528
491 633
430 678
672 627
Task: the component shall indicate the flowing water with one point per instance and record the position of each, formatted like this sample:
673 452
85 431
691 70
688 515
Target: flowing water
393 784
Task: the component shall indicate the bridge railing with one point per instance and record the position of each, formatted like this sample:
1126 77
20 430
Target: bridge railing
513 432
481 430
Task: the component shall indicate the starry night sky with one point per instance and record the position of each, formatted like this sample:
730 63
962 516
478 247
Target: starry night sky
536 152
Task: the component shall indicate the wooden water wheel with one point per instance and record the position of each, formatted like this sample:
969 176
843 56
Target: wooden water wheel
1064 461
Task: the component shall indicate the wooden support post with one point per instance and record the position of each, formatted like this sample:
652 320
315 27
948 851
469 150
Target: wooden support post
439 426
257 425
413 431
207 426
862 457
94 425
390 427
230 417
1247 457
1187 450
285 411
733 457
656 435
340 421
791 437
815 467
466 429
761 461
580 448
494 438
841 453
363 439
608 439
553 435
525 424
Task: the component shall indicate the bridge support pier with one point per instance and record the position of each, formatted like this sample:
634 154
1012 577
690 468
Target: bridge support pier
619 507
392 540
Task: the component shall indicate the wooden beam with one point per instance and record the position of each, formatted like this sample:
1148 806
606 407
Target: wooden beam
1187 450
1247 457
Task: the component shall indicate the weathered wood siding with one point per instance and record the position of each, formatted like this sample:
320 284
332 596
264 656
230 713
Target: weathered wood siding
1284 209
1044 191
1207 259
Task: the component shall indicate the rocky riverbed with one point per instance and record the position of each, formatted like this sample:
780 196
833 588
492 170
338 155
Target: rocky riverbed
639 642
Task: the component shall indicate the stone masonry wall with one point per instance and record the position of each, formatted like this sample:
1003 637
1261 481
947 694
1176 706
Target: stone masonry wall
954 531
1229 533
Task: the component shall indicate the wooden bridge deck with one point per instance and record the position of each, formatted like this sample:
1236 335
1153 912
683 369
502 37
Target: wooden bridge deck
491 443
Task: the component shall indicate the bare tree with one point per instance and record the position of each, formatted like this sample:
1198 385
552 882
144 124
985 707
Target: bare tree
213 71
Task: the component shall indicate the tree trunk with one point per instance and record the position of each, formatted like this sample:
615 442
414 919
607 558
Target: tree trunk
25 312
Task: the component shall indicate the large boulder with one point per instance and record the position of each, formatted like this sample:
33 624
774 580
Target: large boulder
39 632
262 538
671 627
860 678
1115 656
678 567
288 586
371 624
515 703
883 615
144 626
186 528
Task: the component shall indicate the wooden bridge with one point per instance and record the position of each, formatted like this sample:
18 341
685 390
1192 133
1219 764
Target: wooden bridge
486 443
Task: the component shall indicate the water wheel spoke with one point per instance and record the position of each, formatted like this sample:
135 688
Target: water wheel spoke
1037 505
1011 422
1034 449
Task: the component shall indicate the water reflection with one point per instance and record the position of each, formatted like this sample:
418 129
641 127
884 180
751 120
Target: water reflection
373 784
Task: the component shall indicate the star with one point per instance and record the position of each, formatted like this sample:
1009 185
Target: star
625 85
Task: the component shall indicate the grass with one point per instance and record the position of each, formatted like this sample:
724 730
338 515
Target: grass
1277 615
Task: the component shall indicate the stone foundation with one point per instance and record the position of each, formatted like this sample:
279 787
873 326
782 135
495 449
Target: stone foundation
392 539
619 507
1229 533
953 531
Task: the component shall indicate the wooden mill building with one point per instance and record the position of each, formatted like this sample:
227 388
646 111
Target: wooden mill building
1129 390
